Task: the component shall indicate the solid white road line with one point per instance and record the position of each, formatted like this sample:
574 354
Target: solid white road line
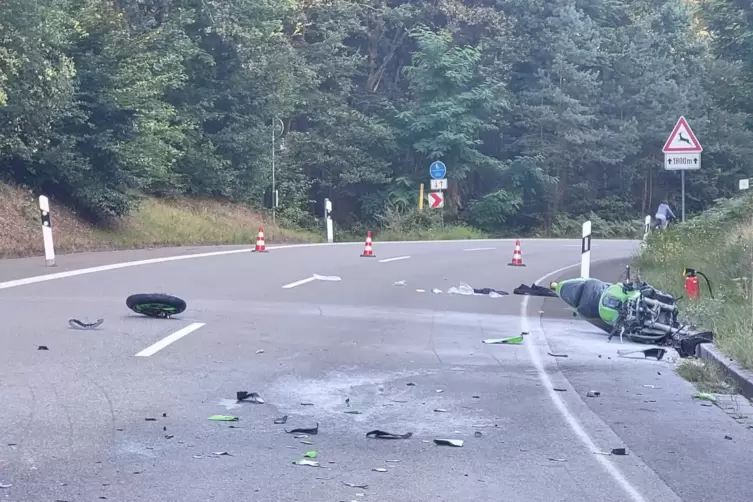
571 420
397 258
479 249
153 349
298 283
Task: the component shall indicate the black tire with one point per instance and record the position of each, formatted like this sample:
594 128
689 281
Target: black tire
156 304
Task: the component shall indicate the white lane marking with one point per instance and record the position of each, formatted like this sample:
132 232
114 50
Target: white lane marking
153 349
571 420
298 283
479 249
114 266
397 258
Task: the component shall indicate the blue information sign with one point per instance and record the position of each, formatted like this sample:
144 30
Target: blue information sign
437 170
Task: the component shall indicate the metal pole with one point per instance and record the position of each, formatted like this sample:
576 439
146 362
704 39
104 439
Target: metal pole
274 202
682 173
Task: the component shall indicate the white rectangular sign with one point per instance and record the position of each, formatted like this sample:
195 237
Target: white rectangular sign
744 184
682 161
439 184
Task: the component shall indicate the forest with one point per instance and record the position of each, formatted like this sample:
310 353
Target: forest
544 111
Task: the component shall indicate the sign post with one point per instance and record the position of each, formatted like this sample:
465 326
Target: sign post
328 217
682 152
437 171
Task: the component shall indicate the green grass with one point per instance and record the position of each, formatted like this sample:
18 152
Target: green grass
717 243
708 376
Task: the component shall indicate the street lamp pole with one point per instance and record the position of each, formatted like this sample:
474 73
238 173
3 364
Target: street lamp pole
276 124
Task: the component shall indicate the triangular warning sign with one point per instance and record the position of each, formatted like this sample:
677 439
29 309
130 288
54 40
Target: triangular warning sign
682 139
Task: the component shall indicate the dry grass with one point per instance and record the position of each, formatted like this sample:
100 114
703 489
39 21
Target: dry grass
156 223
708 376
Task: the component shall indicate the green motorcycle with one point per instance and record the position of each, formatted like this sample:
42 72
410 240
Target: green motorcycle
632 309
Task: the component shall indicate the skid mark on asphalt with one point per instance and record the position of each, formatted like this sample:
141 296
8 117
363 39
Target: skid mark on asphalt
171 338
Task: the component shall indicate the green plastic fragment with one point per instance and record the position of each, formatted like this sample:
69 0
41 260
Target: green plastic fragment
310 454
705 396
223 418
513 340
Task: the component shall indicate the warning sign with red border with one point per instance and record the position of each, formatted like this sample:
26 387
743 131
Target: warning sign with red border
682 139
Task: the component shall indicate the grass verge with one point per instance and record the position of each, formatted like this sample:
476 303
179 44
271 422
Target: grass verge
157 223
708 376
717 243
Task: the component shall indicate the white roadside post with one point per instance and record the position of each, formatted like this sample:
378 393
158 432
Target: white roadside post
744 184
328 217
49 248
585 250
646 229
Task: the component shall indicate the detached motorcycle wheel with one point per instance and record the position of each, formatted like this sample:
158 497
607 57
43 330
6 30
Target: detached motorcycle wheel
156 305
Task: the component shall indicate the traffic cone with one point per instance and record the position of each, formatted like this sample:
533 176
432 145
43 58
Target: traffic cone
517 257
260 247
368 252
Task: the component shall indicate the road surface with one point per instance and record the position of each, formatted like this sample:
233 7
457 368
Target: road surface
74 417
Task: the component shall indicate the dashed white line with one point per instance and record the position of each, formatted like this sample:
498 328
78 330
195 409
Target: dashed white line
571 420
397 258
298 283
479 249
153 349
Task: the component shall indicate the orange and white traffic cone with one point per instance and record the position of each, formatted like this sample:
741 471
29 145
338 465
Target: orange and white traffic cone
368 252
260 247
517 256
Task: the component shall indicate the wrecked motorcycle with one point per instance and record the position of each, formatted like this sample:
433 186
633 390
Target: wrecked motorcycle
631 309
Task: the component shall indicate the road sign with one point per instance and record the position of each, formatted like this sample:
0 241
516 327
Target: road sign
436 200
437 170
682 161
682 139
744 184
439 184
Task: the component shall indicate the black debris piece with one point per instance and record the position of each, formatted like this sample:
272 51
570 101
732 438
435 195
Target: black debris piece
619 451
252 397
305 430
282 420
76 324
534 290
457 443
42 347
557 355
593 393
347 402
355 485
410 384
656 352
728 437
560 390
387 435
164 415
150 419
487 291
478 434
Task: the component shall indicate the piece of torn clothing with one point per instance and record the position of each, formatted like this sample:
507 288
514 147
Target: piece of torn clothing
534 290
487 291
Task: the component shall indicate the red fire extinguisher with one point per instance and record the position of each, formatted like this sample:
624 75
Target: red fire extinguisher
691 284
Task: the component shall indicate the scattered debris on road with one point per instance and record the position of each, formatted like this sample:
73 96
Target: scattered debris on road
156 305
307 404
440 410
260 351
593 393
305 430
354 485
43 347
76 324
457 443
388 435
619 451
282 420
512 340
399 283
3 485
352 412
478 434
557 355
252 397
534 290
223 418
379 469
310 454
655 352
557 459
304 461
728 437
221 454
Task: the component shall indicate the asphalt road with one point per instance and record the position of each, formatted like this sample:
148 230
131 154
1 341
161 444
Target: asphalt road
73 419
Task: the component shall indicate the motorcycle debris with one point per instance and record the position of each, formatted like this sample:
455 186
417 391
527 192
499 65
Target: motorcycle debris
593 393
252 397
310 463
379 469
388 435
76 324
223 418
513 340
557 355
355 485
305 430
449 442
282 420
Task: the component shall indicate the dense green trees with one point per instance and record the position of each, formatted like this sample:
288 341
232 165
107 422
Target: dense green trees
543 110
